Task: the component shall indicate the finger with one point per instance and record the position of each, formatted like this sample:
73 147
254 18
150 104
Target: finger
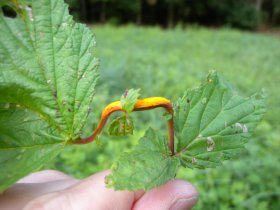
20 194
90 193
34 185
174 195
44 176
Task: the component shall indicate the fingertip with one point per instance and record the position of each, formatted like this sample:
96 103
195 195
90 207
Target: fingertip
183 188
174 195
187 195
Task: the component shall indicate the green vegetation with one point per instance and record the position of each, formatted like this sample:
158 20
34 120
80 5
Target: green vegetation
47 83
48 78
165 63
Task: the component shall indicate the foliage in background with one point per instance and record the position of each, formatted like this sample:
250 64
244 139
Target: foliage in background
245 14
160 58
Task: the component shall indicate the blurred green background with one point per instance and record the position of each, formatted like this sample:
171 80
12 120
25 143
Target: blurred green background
166 62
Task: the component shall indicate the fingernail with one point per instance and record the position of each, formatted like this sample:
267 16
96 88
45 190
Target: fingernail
184 203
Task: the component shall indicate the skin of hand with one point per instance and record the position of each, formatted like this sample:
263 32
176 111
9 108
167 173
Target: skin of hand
48 190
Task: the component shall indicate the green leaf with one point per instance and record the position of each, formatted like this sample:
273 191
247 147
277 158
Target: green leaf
212 122
26 142
121 126
47 78
47 65
147 166
129 99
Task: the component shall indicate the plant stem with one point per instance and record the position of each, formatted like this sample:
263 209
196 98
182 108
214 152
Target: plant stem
141 105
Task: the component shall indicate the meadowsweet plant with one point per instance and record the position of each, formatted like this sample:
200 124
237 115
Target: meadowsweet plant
48 74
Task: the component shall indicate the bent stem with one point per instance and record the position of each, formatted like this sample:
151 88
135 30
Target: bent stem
141 105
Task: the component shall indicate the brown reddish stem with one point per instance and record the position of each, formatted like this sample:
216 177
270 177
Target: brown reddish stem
141 105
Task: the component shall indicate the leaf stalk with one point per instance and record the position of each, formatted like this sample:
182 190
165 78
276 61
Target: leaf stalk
140 105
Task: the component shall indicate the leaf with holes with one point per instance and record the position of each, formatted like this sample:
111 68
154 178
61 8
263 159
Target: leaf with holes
47 68
147 166
212 122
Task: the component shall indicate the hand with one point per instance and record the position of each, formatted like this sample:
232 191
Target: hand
47 190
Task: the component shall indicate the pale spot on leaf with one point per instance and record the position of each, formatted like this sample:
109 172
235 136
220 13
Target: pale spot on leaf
210 144
204 100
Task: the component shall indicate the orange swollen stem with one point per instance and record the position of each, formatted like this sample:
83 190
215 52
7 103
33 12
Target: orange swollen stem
141 105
